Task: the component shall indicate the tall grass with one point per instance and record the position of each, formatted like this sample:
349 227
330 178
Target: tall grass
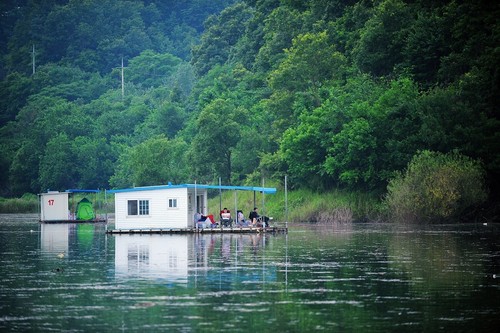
28 203
336 206
303 205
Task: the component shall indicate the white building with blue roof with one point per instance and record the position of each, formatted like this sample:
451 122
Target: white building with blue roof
166 206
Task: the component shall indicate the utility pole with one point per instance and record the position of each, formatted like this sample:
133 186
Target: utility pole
123 82
33 58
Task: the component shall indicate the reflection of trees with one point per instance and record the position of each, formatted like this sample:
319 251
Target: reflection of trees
435 262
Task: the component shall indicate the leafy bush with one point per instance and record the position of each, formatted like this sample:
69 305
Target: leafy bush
436 187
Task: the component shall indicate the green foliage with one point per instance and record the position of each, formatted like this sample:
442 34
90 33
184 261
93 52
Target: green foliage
332 93
222 33
94 162
155 161
14 91
436 187
217 134
58 165
281 25
151 69
382 38
311 61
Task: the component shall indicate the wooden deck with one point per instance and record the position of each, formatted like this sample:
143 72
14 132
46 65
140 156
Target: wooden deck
234 230
100 220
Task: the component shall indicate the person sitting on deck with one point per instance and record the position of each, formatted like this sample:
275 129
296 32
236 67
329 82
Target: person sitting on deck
225 217
202 221
257 220
241 220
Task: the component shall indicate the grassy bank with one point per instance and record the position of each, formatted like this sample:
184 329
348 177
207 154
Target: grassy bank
304 205
28 203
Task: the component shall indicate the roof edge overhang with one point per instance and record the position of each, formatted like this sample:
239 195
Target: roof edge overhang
266 190
71 190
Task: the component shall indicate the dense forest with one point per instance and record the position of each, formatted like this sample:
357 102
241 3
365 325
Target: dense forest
332 93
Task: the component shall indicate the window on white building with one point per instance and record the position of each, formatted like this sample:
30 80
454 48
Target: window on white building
143 207
172 203
138 207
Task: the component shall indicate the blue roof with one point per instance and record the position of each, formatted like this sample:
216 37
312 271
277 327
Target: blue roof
73 190
267 190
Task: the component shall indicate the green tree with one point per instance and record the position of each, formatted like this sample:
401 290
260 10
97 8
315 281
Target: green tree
94 162
151 69
217 133
14 92
281 26
382 39
311 63
24 169
58 167
155 161
221 34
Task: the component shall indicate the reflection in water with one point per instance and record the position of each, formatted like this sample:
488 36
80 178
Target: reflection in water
441 262
214 259
362 277
54 238
70 239
152 257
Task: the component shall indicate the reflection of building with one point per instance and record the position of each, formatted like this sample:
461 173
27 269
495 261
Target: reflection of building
72 238
193 259
54 238
152 257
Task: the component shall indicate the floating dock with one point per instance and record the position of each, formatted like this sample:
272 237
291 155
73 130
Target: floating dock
234 230
103 220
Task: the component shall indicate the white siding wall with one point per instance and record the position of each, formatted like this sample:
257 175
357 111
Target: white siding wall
160 215
54 206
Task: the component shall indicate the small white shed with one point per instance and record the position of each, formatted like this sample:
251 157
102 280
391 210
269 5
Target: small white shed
162 206
54 206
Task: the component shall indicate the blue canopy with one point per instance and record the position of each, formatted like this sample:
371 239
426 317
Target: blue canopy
82 191
266 190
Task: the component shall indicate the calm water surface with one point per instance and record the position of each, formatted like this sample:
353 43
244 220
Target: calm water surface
361 278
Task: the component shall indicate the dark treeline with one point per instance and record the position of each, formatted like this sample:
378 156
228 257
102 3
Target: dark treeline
334 93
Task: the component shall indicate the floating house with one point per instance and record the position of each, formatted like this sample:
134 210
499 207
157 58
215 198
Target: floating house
165 207
62 207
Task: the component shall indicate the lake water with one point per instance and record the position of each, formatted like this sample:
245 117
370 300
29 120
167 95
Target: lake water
358 278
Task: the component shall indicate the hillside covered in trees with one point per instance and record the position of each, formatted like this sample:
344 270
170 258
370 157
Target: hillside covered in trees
333 93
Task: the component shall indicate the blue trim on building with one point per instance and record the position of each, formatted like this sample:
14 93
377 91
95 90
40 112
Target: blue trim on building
82 191
266 190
